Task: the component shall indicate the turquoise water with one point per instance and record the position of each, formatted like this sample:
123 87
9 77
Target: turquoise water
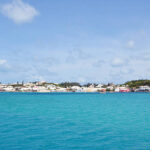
115 121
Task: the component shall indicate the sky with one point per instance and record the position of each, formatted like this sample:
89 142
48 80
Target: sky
74 40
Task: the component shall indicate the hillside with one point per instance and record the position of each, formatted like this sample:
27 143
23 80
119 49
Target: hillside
137 83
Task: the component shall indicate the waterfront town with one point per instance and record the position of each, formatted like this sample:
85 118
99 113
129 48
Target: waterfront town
46 87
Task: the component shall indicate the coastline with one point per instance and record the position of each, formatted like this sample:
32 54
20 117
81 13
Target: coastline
45 87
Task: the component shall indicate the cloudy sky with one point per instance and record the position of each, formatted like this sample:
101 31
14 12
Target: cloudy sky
74 40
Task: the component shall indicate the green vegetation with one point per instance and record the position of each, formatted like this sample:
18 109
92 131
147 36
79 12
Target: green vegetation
89 84
69 84
137 83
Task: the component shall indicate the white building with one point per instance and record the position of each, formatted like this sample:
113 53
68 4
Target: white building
9 89
76 88
143 88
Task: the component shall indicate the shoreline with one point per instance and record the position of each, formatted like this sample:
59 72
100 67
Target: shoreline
72 92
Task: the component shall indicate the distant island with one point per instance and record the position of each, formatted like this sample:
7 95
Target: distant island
43 86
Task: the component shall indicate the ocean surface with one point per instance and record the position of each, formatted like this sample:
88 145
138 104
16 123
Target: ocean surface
74 121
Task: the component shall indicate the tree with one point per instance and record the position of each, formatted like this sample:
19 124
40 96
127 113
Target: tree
69 84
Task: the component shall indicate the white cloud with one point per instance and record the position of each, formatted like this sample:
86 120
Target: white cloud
4 66
131 44
117 62
3 61
19 11
126 71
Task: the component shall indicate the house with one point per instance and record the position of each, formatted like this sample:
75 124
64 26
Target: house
110 88
122 89
76 89
143 89
9 89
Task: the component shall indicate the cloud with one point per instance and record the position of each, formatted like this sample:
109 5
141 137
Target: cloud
99 63
144 56
131 44
3 61
117 62
4 66
19 11
77 55
126 71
